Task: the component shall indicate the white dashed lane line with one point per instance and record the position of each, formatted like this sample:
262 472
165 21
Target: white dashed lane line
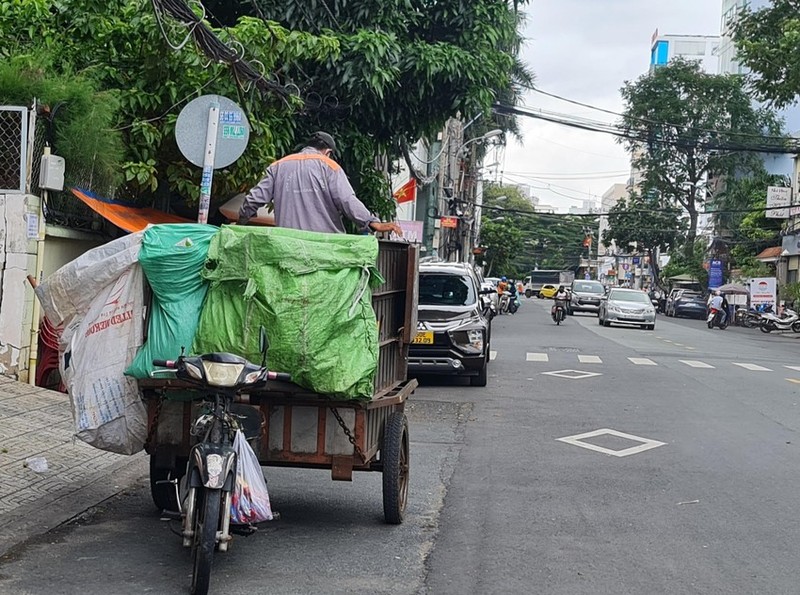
752 367
590 359
492 355
537 357
695 364
642 361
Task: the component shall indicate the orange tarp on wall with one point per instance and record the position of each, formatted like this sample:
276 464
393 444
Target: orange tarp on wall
126 217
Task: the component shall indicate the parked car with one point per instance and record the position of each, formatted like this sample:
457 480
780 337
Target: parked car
670 300
585 296
627 306
452 334
547 291
690 304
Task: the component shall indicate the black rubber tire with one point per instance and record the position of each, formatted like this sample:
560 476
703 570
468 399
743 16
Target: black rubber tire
765 328
528 293
796 327
599 320
163 494
606 323
396 465
205 539
483 376
651 327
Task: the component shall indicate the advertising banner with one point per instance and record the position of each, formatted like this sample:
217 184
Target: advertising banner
779 199
715 274
763 290
412 231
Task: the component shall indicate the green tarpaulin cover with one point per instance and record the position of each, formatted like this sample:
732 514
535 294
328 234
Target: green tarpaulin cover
312 293
172 257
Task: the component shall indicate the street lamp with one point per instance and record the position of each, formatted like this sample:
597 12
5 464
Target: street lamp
487 136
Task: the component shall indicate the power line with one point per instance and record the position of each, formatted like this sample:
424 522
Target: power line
656 122
644 138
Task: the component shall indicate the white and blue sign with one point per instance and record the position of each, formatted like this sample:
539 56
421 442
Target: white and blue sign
715 274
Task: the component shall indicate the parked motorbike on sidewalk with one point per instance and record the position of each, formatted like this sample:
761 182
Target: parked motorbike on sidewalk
204 494
718 318
772 322
559 312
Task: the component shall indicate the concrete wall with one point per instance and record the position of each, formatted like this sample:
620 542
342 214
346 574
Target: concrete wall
19 229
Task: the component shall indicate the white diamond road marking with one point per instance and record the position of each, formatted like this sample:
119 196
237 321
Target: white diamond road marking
753 367
646 443
572 374
537 357
590 359
795 368
642 361
695 363
492 355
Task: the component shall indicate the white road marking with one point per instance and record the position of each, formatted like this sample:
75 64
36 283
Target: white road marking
692 348
571 374
590 359
492 355
753 367
537 357
695 363
678 344
642 361
795 368
795 380
646 444
667 341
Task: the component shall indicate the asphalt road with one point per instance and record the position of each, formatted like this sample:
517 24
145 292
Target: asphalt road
703 501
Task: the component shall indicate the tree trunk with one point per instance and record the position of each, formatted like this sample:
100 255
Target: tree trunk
691 234
652 254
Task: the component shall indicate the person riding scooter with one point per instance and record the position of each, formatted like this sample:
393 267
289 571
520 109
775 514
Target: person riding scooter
561 298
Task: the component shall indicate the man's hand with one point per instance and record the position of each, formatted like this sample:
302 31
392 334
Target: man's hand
386 227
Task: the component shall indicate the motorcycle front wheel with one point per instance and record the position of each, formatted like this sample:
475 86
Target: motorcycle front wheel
205 538
765 328
796 327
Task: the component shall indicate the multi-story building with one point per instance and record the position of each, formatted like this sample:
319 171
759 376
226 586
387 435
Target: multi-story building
702 48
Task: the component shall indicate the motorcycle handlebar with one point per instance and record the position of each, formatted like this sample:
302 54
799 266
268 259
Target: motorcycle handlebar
281 376
164 363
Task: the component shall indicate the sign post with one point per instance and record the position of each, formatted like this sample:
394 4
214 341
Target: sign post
227 132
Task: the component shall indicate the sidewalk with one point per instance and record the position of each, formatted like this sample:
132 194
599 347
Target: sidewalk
36 422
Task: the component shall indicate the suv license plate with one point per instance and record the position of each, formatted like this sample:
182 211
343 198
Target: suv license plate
424 338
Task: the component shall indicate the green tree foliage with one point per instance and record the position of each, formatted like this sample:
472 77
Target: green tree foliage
368 72
685 127
768 44
742 219
644 223
548 241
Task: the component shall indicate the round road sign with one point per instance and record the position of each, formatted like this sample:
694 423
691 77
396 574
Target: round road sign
233 130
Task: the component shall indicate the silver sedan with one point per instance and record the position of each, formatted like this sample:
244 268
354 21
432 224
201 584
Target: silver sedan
627 306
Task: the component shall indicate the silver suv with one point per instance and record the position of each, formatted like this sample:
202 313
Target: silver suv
585 296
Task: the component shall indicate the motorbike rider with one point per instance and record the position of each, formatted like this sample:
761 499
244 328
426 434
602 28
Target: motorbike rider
502 286
561 296
715 303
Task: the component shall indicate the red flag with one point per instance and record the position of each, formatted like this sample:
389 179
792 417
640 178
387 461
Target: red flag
407 192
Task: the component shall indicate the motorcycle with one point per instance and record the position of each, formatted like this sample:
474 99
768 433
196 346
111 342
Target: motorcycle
508 304
717 318
559 312
513 303
204 493
772 322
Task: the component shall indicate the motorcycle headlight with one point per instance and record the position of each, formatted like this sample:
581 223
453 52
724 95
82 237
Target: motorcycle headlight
224 375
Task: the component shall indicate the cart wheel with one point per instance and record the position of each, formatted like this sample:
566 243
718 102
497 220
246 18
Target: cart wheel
395 458
162 489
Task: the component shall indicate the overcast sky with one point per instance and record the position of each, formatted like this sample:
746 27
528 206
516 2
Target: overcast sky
585 50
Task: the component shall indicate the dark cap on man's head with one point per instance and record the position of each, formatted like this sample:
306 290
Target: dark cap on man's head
322 138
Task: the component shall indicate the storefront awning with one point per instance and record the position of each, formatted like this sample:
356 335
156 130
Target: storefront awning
125 216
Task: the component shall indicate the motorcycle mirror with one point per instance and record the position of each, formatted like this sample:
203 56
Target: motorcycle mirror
263 344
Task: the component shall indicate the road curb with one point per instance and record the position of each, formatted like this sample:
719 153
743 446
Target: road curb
50 511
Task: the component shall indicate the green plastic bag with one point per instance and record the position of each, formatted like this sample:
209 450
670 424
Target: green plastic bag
172 257
312 293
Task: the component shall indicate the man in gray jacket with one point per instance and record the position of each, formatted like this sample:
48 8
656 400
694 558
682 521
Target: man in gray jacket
311 192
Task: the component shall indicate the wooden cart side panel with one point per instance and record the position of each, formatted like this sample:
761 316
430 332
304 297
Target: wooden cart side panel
412 295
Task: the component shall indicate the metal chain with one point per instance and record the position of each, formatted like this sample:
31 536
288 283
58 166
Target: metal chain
349 434
154 426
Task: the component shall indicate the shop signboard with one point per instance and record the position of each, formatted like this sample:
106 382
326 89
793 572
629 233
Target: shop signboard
762 291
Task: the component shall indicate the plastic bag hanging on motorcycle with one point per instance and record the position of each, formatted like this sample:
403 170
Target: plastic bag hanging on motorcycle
250 500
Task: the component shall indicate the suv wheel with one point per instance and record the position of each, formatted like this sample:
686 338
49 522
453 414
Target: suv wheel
482 377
